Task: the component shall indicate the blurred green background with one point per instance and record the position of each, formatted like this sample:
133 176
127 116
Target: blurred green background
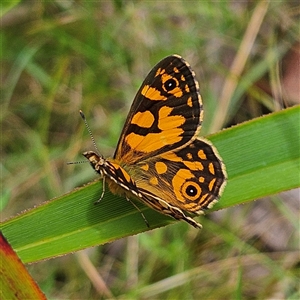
61 56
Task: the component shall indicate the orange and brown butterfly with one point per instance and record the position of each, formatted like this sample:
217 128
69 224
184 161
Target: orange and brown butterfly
159 159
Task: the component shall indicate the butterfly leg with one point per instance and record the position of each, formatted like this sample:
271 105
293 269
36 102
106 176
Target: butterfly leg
143 216
103 190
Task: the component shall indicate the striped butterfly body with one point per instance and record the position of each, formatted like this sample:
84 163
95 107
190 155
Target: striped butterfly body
159 159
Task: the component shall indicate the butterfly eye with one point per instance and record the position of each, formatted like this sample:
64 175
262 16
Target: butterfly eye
170 85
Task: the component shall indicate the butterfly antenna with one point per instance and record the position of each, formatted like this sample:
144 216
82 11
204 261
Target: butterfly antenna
88 129
77 162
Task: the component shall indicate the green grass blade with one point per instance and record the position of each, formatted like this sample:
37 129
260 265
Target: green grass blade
261 156
6 6
15 281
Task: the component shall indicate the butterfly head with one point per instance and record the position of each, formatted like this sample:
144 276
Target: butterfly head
96 160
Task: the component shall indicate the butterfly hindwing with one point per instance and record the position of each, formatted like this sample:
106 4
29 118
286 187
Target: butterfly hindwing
190 178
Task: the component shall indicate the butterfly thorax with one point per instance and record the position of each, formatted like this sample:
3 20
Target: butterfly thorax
119 181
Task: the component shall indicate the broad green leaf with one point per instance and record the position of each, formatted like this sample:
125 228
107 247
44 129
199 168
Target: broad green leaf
261 157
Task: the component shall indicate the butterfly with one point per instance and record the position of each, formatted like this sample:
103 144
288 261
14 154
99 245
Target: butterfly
159 159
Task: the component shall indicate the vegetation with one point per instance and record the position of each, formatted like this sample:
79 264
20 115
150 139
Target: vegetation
61 56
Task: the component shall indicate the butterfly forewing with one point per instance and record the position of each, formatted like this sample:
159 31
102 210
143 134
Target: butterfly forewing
166 113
